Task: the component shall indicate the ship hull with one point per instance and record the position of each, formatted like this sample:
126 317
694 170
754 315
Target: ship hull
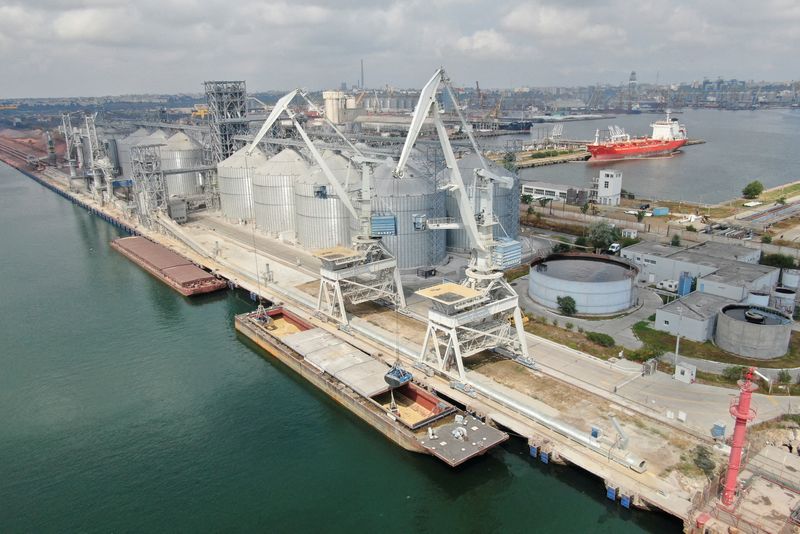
634 149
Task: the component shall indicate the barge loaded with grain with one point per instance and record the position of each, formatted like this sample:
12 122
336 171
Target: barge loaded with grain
384 397
171 268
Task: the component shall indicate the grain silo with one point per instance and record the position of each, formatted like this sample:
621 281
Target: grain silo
273 192
506 202
411 200
235 182
124 151
321 219
181 152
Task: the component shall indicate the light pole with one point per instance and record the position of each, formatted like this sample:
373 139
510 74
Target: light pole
678 336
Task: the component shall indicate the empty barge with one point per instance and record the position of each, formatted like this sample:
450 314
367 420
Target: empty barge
173 269
409 415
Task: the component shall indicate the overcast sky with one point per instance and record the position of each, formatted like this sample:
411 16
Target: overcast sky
101 47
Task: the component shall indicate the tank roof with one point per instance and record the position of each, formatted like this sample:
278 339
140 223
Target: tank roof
285 162
340 166
771 316
240 159
591 269
181 141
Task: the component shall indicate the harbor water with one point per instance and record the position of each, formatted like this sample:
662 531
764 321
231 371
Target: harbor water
126 407
741 146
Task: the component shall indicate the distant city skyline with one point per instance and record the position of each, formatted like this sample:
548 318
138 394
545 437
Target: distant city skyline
108 47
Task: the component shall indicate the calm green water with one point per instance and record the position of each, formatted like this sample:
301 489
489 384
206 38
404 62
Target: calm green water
125 407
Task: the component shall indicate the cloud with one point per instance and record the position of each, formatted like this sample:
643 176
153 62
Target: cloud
82 47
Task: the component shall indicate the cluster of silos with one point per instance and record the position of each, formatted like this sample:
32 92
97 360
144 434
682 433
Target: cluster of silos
321 218
139 137
181 152
235 183
273 193
505 205
411 200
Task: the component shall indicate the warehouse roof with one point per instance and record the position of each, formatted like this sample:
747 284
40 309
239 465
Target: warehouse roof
697 305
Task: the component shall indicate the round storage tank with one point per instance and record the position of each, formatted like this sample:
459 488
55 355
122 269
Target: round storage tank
124 151
235 182
412 200
321 219
600 285
758 298
753 331
181 152
790 278
505 205
273 192
784 299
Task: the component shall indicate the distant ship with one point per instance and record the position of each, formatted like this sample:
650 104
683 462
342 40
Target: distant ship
668 136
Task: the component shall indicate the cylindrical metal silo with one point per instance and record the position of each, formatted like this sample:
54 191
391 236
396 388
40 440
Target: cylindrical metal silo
506 203
181 152
273 192
124 151
412 201
321 219
235 182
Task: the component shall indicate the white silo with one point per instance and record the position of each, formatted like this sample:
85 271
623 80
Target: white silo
235 182
321 219
181 152
273 192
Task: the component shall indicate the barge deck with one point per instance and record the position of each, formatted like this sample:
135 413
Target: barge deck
171 268
409 415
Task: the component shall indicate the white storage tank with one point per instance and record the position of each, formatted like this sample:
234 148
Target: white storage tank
784 299
599 284
181 152
790 278
506 202
758 298
273 192
124 151
235 182
411 200
321 219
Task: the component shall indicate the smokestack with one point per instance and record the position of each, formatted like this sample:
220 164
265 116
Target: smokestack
362 74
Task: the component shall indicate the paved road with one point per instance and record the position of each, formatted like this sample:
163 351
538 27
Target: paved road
717 367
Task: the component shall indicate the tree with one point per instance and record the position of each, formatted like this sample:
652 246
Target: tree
602 234
778 260
543 201
753 189
527 199
566 305
640 215
510 161
784 377
676 240
585 208
580 241
530 210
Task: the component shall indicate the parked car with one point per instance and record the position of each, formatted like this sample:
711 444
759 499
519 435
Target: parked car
614 248
644 206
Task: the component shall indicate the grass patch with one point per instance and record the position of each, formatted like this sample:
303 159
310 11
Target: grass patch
664 342
516 272
572 339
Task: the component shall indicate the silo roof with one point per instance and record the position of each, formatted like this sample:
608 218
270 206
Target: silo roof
287 162
240 159
181 141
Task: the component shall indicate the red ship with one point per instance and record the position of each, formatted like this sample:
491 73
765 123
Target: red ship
668 136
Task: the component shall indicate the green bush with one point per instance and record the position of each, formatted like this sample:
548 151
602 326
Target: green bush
604 340
766 239
569 326
567 306
784 377
733 373
555 322
704 461
778 260
691 228
676 240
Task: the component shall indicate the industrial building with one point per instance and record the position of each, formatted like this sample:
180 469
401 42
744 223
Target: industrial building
605 189
693 316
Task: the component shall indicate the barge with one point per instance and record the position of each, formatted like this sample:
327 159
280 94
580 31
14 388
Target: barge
171 268
407 414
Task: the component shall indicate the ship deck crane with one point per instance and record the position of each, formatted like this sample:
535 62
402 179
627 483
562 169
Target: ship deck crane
367 271
482 312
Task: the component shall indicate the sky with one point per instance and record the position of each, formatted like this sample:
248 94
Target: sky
111 47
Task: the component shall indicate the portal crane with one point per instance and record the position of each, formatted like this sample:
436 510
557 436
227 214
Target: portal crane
367 271
482 312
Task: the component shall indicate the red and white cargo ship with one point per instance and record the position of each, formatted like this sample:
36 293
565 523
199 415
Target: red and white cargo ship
668 136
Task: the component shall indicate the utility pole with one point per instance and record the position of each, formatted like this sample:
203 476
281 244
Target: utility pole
678 337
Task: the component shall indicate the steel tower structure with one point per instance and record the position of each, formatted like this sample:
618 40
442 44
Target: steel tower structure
227 117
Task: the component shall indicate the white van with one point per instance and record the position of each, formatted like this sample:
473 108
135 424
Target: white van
668 285
614 248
